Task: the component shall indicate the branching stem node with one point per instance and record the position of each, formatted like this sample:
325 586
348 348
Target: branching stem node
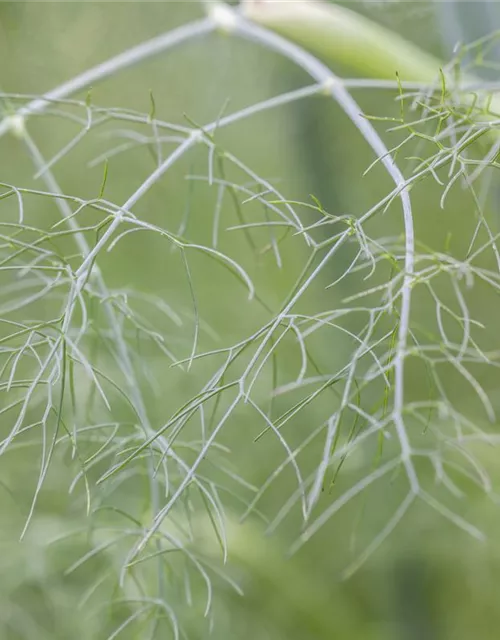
224 16
16 124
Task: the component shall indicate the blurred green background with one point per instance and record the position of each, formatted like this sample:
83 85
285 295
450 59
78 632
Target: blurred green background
429 580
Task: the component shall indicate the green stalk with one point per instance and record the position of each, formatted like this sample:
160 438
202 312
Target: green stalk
339 35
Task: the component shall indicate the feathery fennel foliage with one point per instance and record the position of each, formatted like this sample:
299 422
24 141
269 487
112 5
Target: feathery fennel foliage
166 421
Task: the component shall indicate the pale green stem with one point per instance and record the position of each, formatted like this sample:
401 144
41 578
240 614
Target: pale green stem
340 36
